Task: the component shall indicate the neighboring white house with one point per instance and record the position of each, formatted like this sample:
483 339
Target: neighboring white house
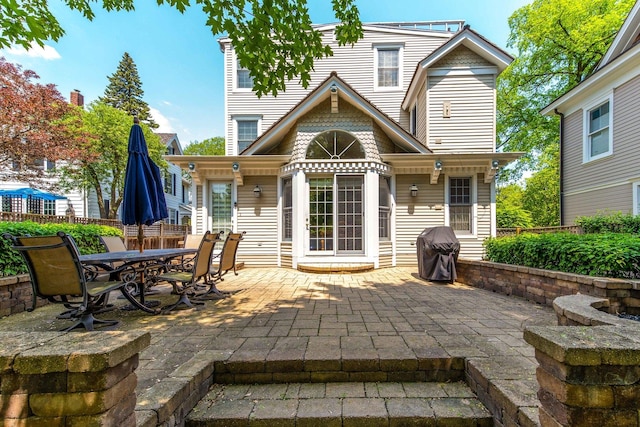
393 135
85 204
599 144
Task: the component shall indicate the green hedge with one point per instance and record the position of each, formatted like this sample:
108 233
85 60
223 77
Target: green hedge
610 223
604 255
86 236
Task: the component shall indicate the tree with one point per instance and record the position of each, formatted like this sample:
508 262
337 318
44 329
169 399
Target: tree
542 192
274 39
510 212
125 91
559 43
208 147
104 170
36 123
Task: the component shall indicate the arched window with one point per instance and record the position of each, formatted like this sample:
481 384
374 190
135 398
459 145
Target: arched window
335 144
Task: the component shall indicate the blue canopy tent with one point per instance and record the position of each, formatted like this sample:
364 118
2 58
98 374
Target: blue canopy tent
143 201
34 193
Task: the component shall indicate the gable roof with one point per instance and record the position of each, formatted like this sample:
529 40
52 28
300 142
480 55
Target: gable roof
623 56
466 37
169 139
322 92
626 37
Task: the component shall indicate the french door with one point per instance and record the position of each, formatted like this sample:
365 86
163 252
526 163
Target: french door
336 216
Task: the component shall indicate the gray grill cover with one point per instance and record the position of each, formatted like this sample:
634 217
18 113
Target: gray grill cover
438 249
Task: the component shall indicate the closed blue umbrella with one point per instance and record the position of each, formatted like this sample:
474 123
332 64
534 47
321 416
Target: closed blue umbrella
143 201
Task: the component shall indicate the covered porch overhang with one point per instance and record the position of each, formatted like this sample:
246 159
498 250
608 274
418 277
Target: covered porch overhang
203 168
450 163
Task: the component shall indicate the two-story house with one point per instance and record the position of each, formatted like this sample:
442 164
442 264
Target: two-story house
393 135
599 150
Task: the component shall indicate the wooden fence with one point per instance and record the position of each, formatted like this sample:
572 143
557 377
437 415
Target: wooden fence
159 235
574 229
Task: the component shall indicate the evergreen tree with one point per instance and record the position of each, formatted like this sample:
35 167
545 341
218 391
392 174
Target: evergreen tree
124 91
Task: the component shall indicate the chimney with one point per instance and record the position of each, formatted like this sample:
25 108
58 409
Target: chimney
77 98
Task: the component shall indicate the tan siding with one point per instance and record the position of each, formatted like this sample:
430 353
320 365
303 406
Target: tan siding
259 219
471 125
385 258
414 214
354 65
286 254
201 220
422 116
612 199
583 182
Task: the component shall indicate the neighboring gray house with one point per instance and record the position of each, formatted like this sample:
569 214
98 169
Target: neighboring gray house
176 187
600 143
393 135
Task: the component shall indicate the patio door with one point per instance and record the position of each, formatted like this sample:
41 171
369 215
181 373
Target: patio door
336 216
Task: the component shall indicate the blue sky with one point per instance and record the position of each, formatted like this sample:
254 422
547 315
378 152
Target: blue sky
179 60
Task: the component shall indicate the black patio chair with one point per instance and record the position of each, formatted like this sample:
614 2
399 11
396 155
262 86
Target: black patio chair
226 263
184 280
58 276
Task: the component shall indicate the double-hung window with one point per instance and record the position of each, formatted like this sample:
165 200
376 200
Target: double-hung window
246 131
287 209
243 78
388 72
460 204
598 135
384 209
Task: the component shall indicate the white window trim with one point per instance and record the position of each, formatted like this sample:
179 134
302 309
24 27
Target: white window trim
636 197
586 146
234 74
241 118
413 120
384 46
474 203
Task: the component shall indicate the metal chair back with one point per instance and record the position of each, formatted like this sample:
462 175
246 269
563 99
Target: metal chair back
112 243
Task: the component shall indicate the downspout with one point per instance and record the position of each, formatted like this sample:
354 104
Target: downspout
560 165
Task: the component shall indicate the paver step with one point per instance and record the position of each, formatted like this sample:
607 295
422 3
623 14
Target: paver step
336 267
340 404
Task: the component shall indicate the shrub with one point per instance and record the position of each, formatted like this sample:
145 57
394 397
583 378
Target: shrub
610 223
86 236
607 255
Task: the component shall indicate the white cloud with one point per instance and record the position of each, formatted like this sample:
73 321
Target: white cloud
167 103
35 51
164 124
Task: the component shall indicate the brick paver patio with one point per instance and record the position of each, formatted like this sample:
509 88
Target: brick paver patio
285 326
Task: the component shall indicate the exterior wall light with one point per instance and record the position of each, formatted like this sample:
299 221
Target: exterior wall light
192 167
495 164
414 190
437 165
257 191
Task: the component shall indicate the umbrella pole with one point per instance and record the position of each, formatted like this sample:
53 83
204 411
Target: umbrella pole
140 238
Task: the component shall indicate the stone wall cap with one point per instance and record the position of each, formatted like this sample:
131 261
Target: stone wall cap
586 345
46 352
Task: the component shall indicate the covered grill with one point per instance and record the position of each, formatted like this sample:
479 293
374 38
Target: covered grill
438 250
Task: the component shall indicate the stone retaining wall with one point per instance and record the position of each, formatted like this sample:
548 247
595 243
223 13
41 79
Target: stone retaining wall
16 295
588 375
80 379
544 286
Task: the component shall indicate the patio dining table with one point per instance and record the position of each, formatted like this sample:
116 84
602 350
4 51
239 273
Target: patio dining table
138 263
